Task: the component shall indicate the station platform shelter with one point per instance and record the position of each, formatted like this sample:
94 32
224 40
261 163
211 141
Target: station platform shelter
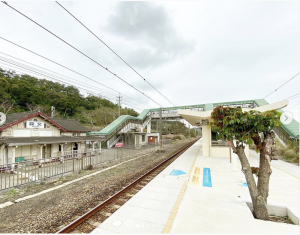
203 195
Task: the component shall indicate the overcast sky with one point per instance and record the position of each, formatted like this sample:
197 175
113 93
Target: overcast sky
193 52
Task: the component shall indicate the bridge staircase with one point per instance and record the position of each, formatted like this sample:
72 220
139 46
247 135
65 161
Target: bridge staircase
114 141
126 123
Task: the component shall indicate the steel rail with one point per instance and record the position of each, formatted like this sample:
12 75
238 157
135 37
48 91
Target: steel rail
84 217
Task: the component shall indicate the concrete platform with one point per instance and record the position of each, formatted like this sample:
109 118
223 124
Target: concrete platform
181 204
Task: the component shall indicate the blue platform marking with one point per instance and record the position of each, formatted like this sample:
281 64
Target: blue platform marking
177 172
206 177
244 184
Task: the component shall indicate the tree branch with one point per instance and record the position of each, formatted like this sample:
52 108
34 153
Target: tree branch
232 146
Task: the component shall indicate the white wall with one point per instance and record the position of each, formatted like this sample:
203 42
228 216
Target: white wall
20 129
22 151
220 151
2 161
11 154
54 150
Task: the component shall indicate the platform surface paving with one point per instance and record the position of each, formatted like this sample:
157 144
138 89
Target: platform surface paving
175 202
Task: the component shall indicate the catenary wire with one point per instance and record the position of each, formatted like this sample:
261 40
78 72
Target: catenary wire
108 70
291 106
282 85
51 77
11 62
104 91
63 82
73 80
114 52
63 66
292 96
89 91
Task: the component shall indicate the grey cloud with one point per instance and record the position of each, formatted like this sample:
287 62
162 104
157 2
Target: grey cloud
150 27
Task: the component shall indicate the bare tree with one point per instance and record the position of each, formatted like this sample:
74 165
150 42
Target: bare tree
39 108
6 106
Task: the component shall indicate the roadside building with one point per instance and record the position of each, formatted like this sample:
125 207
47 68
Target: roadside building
33 135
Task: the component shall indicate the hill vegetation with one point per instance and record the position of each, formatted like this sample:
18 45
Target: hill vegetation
20 93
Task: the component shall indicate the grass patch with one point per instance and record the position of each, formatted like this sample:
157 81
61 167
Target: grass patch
11 193
288 153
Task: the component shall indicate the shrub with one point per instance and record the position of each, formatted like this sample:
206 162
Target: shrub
290 153
89 167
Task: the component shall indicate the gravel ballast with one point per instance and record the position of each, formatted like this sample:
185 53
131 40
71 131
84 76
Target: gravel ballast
49 212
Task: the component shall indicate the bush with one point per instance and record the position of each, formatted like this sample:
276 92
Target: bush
179 137
89 167
290 153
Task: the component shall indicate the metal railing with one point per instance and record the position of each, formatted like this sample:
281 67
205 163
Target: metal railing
36 170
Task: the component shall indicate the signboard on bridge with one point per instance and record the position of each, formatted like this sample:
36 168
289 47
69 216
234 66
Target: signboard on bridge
119 144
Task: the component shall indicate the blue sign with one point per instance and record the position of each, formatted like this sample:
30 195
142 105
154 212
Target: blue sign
177 172
206 177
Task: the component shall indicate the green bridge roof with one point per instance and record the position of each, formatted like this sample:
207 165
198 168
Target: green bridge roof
292 128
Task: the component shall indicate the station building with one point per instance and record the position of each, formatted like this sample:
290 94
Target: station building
33 135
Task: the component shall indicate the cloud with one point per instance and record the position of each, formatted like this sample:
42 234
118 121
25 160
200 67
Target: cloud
153 37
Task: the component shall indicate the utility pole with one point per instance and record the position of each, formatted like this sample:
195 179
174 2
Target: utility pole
160 127
119 99
52 111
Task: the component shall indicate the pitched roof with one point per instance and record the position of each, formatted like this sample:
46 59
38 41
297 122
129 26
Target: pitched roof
15 118
10 118
70 125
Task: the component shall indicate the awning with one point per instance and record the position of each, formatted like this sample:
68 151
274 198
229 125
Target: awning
47 140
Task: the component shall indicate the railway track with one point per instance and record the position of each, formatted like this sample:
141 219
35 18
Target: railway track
93 218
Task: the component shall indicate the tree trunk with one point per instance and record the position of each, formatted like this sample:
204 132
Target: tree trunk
265 170
258 200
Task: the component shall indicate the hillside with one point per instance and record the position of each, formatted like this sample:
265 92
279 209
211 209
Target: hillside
19 93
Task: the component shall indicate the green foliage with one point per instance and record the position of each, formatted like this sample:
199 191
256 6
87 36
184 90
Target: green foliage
290 153
232 123
174 127
29 93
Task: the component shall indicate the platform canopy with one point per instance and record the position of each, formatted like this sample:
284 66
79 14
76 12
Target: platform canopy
195 117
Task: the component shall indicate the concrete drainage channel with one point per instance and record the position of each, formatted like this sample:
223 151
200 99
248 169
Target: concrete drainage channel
274 210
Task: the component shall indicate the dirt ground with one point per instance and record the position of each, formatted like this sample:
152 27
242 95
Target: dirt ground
50 212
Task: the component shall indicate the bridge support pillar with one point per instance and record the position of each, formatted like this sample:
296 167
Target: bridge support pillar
149 127
206 140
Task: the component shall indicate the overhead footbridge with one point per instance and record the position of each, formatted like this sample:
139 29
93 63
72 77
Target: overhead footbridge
126 123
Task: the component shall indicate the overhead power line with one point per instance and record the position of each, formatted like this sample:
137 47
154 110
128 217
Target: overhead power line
63 66
60 75
39 72
114 52
51 77
292 97
282 85
108 70
290 106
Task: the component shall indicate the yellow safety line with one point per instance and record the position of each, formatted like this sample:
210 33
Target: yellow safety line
194 162
172 216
